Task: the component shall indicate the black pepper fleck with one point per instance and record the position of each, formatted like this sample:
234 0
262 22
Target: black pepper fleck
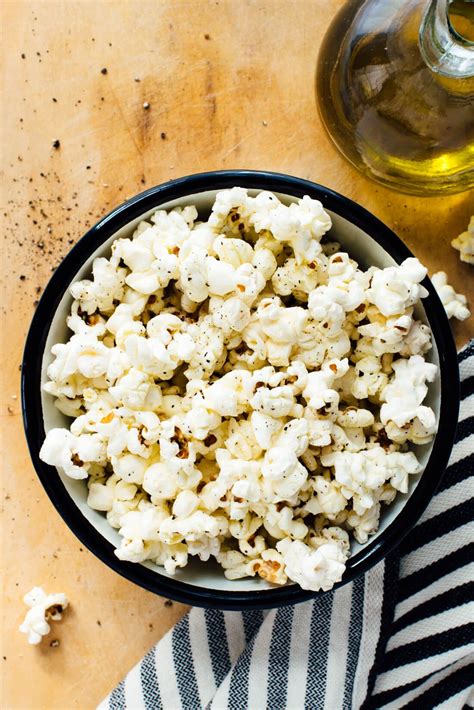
103 70
56 144
163 136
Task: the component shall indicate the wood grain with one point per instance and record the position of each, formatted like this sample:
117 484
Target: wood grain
229 85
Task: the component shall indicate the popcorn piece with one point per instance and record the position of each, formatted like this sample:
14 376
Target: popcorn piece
129 468
200 420
282 468
193 274
328 499
396 288
364 525
405 393
241 441
271 567
159 273
236 565
139 529
220 276
354 418
137 390
104 496
465 243
387 334
247 490
361 474
318 392
315 346
204 547
264 427
229 315
233 251
276 402
208 352
186 503
281 328
86 357
293 278
343 289
301 224
228 395
193 527
161 481
294 436
280 523
455 304
417 341
43 609
264 262
101 497
63 450
248 283
369 378
99 293
312 569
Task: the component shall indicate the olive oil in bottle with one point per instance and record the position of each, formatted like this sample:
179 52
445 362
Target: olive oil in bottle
395 88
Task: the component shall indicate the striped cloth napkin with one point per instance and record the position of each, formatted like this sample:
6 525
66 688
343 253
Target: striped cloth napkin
402 636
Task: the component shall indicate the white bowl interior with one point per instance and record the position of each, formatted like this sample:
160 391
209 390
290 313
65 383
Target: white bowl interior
361 247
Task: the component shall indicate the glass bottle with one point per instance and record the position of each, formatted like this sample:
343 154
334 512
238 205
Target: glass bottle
395 88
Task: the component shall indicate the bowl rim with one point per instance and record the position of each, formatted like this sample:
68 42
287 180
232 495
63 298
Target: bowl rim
59 282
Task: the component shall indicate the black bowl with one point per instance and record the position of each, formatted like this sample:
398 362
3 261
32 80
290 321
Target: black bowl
369 554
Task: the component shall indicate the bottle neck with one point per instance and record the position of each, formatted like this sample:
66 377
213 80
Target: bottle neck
442 48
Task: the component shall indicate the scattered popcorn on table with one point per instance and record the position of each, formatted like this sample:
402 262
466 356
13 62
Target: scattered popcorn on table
241 390
43 608
455 304
465 243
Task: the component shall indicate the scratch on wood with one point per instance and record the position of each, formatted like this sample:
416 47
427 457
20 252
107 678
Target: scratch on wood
239 143
125 123
211 99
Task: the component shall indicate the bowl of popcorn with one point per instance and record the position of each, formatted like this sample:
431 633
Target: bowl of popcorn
240 389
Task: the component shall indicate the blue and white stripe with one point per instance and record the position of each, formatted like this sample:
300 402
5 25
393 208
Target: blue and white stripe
402 636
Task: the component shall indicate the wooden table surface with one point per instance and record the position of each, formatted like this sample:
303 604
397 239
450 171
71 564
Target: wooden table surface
229 85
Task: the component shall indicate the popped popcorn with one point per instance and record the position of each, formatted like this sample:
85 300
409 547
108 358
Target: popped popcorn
455 304
315 569
43 609
241 391
464 243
